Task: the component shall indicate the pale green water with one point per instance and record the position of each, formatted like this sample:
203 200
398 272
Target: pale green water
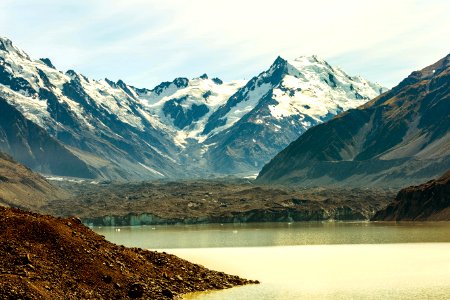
357 260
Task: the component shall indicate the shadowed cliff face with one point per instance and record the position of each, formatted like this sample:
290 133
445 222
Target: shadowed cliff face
428 201
401 137
34 147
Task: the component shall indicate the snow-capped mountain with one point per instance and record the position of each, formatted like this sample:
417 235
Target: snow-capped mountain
276 107
186 105
187 127
101 122
398 139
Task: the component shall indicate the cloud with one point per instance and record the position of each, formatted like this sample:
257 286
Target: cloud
145 42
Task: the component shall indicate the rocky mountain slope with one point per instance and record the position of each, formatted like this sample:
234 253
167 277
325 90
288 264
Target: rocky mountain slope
100 122
427 202
187 127
401 137
48 258
31 145
20 187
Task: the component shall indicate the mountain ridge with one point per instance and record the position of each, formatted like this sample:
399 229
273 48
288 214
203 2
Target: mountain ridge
399 137
185 127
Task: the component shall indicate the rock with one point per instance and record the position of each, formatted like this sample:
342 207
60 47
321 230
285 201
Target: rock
136 290
24 260
77 220
107 278
426 202
111 272
167 293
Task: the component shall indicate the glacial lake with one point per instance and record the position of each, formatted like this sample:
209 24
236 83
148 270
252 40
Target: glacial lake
310 260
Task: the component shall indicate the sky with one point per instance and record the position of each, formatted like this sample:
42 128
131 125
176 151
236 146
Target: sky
145 42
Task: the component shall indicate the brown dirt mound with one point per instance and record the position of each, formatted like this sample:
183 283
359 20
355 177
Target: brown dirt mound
53 258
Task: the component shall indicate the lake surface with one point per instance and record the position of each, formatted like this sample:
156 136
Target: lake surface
311 260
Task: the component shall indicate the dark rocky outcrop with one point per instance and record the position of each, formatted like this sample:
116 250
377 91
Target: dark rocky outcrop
426 202
48 258
183 117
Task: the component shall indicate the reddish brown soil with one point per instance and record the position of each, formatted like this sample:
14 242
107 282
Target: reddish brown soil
43 257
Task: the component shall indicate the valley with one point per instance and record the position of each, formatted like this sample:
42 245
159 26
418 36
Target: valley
127 172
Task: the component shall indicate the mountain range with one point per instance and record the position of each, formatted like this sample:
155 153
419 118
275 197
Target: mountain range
66 124
400 138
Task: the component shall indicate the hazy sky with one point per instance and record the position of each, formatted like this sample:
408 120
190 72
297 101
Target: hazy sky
146 42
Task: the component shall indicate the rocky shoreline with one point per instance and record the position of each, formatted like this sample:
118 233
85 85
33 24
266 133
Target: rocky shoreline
44 257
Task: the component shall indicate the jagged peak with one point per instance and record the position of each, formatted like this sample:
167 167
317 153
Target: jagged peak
5 42
320 65
310 58
121 83
71 73
75 75
47 62
8 46
181 82
278 66
204 76
217 80
279 61
306 61
111 83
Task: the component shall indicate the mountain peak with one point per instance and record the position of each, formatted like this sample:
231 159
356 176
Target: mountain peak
310 58
217 80
48 62
72 74
5 43
121 83
307 61
279 61
111 83
399 135
181 82
8 46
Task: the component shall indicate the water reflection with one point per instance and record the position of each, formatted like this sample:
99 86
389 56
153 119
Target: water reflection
314 260
276 234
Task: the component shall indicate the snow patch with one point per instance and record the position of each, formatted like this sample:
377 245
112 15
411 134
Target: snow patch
151 170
